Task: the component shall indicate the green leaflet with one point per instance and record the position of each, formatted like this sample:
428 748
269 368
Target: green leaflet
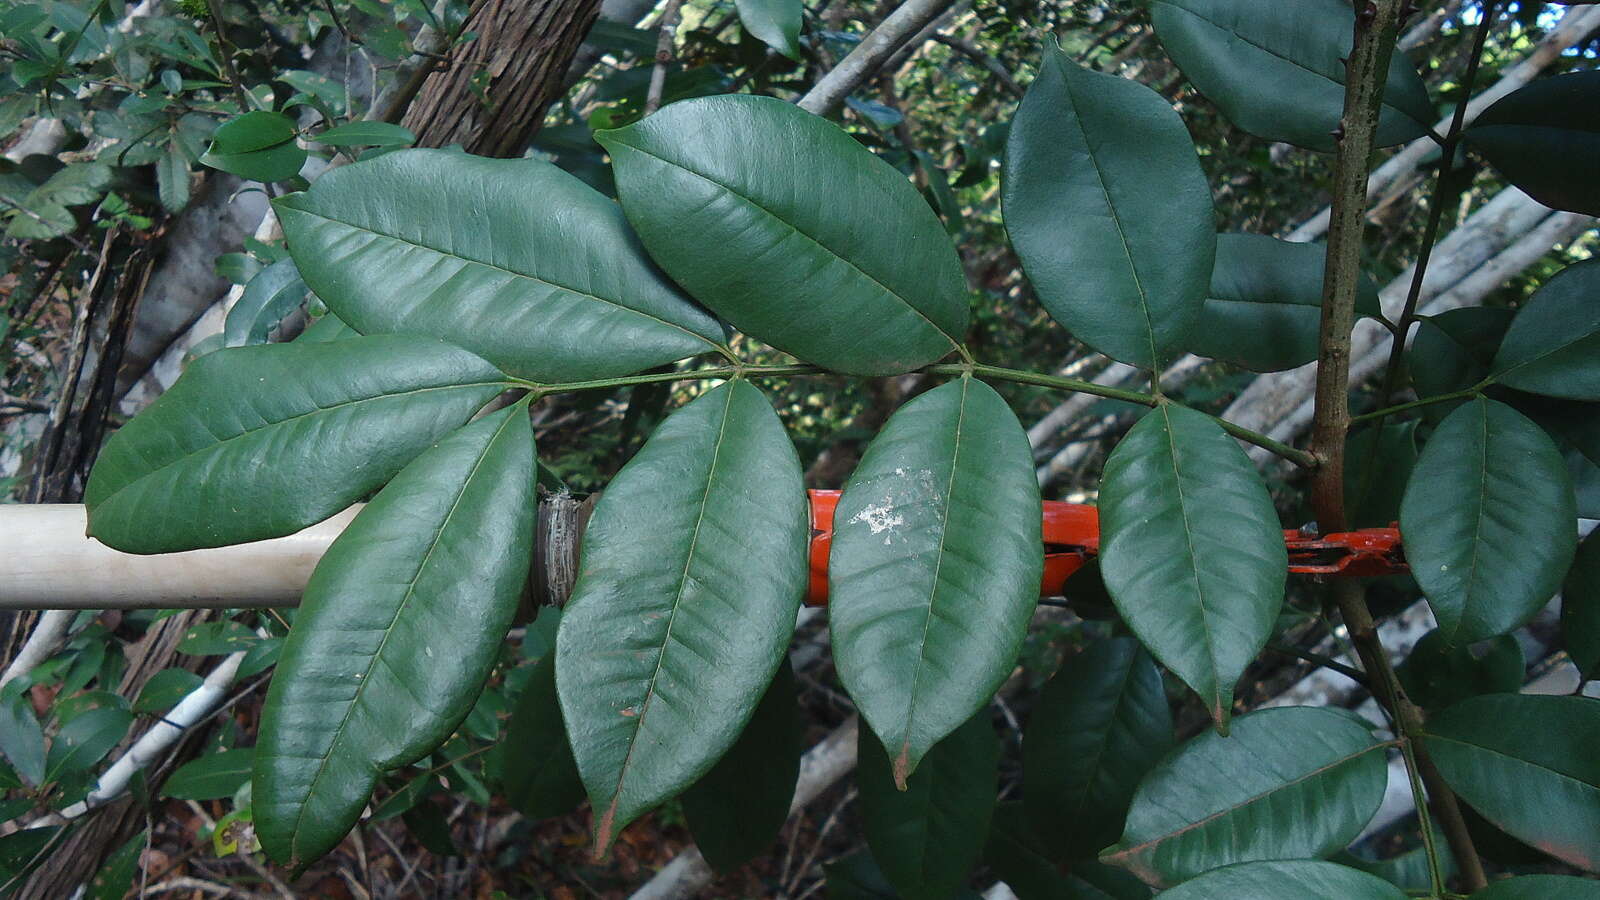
928 833
1541 887
822 249
1100 724
398 628
736 810
259 442
1191 549
1498 750
1489 521
1541 136
1553 345
1454 349
1301 879
210 777
515 260
272 294
1277 70
1436 676
935 566
541 776
1580 607
775 23
1289 782
1264 308
693 567
1109 211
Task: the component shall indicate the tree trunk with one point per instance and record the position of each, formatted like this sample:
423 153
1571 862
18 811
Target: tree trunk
491 100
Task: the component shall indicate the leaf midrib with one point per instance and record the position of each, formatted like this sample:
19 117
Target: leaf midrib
1248 801
609 817
513 272
792 227
220 442
1194 568
388 632
933 584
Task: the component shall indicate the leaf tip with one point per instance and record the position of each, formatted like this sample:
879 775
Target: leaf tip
903 766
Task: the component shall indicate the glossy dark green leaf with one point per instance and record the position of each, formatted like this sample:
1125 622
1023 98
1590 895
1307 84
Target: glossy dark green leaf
1541 887
1454 349
115 879
1290 782
1498 751
277 163
259 442
1301 879
541 776
1540 137
935 566
210 777
1277 70
929 833
1436 675
775 23
1100 724
366 134
273 293
21 737
736 810
1377 464
85 741
1553 345
1017 856
255 130
1191 549
399 625
1109 211
822 249
1489 521
513 259
165 689
1264 308
693 567
1580 607
217 638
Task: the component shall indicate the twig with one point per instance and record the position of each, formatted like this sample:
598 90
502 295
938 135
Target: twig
869 55
967 49
1377 25
1327 662
666 43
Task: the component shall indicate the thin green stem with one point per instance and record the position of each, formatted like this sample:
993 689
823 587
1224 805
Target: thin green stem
1466 394
1327 662
998 373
